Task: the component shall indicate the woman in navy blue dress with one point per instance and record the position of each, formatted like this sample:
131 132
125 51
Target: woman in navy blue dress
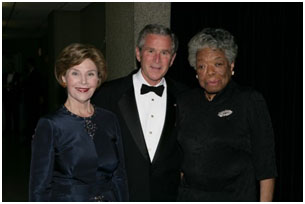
77 152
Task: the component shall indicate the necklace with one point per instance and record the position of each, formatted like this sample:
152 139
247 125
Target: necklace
89 125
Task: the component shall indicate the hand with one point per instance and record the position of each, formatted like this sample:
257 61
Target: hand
266 190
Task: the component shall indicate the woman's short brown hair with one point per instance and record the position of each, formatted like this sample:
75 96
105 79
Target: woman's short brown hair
75 54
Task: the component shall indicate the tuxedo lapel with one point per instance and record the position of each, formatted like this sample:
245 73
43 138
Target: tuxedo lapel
128 108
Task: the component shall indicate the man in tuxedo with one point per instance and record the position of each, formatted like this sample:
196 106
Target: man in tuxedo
144 102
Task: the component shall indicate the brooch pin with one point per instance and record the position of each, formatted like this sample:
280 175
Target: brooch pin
90 127
224 113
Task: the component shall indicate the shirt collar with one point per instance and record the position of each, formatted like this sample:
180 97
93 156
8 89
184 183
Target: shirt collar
140 79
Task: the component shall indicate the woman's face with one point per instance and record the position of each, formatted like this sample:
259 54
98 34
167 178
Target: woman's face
81 81
213 69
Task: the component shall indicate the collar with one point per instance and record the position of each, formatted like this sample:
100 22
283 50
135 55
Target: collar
139 79
222 94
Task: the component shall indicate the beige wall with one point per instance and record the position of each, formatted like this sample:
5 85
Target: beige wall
123 23
119 39
150 13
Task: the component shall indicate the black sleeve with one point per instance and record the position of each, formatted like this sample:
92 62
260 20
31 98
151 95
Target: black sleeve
262 137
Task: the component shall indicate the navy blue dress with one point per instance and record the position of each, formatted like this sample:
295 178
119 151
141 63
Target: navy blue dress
78 159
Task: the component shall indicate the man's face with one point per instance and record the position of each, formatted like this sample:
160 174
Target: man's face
213 69
155 57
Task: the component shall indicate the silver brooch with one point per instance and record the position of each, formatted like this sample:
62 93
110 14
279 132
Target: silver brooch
90 127
224 113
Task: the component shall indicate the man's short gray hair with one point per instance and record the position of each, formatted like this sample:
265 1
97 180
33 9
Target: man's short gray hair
159 30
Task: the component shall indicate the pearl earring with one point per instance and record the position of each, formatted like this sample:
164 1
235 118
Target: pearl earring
196 76
232 73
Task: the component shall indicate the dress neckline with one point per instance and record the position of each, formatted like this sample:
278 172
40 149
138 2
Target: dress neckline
220 96
77 116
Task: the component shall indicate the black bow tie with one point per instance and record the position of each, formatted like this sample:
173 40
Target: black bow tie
158 90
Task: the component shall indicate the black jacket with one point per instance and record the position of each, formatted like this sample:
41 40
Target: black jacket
148 181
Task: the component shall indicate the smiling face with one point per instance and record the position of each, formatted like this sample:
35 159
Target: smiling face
214 71
155 57
81 81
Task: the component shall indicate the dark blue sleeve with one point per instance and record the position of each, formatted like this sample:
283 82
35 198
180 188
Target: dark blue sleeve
262 138
119 178
42 162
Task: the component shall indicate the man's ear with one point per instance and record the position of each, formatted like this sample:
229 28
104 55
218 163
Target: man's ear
138 54
172 60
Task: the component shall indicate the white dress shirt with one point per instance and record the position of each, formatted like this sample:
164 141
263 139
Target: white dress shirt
151 109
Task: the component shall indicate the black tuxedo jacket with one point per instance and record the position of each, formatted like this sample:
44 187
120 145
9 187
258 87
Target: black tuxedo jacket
147 181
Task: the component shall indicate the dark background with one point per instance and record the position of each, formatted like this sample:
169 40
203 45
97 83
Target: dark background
270 39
